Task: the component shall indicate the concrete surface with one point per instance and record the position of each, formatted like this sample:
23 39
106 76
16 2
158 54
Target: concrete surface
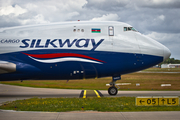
90 115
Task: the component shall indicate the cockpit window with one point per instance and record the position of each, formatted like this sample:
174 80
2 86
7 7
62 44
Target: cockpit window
133 29
129 29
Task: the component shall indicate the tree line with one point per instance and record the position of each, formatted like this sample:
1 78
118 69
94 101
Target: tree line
172 61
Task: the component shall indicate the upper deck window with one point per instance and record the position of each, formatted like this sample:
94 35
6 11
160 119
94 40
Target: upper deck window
129 29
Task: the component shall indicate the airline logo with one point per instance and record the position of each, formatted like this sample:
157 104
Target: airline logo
63 57
59 43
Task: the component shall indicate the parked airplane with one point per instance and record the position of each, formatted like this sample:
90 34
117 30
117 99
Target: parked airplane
76 50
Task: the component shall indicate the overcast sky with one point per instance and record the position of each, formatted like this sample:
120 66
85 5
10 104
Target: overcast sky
158 19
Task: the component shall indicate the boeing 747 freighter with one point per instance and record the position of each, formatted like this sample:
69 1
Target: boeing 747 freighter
76 50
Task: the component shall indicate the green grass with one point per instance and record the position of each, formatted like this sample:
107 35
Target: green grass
76 104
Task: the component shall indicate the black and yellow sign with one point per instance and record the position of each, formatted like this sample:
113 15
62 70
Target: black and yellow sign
157 101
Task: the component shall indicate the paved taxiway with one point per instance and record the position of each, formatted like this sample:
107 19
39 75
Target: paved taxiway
11 93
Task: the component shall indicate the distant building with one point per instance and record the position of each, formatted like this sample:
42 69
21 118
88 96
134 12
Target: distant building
170 66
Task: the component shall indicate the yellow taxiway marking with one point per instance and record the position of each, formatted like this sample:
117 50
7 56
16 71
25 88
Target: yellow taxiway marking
84 96
97 94
90 93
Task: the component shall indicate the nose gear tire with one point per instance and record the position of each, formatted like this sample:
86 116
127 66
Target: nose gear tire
112 90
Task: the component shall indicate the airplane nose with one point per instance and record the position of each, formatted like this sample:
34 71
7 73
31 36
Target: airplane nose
167 53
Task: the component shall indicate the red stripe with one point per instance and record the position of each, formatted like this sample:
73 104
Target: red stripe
96 30
55 55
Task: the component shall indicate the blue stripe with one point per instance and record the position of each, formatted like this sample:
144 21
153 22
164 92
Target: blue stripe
96 29
116 63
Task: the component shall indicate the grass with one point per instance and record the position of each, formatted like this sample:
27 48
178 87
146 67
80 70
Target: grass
76 104
147 81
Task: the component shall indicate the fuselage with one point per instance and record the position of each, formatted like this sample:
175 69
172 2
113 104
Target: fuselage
76 50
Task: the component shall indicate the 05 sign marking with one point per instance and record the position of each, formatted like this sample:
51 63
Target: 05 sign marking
157 101
146 101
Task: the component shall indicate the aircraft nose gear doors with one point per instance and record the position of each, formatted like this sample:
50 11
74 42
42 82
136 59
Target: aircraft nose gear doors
113 90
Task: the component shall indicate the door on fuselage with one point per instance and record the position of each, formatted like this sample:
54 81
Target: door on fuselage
89 70
111 34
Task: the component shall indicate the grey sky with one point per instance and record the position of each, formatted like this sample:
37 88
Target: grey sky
159 19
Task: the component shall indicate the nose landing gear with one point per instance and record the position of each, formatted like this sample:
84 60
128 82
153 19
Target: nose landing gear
113 90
